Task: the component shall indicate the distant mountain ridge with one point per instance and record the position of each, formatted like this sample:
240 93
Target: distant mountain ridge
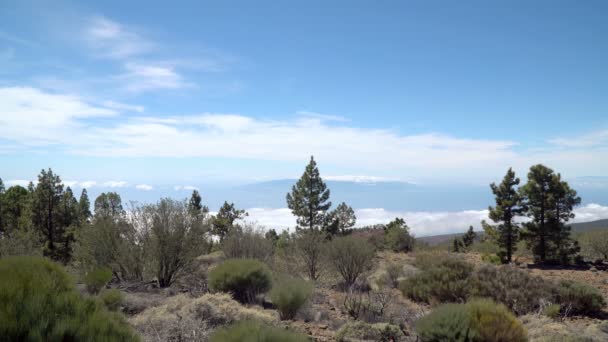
579 227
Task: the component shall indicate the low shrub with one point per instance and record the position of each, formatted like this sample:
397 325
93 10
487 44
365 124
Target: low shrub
552 311
38 302
97 279
478 320
112 299
515 288
289 295
357 331
443 280
394 272
491 259
579 299
192 319
254 331
350 256
544 329
245 279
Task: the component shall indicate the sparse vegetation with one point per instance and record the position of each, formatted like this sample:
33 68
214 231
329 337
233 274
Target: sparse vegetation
245 279
356 331
350 256
254 331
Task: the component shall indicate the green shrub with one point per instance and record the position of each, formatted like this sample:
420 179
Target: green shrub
579 298
289 294
394 272
38 302
480 320
357 331
552 311
245 279
97 279
443 280
491 259
515 288
111 298
448 322
256 332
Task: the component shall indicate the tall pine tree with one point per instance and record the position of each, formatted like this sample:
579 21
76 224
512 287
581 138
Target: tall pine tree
508 207
309 198
2 215
46 216
563 199
549 202
84 207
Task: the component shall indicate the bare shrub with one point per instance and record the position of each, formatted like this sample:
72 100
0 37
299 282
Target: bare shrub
350 256
311 247
247 243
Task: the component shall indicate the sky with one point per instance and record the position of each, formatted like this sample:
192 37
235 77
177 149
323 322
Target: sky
154 99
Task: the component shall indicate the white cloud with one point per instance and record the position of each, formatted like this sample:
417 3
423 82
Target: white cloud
141 77
421 223
123 106
184 187
21 182
115 184
88 184
360 179
144 187
591 139
322 117
113 40
31 116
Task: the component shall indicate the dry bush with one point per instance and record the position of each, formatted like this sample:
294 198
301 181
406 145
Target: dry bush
247 243
544 329
182 318
350 256
134 303
518 290
361 331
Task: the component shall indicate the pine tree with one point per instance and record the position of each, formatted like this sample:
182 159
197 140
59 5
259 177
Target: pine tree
46 216
309 198
2 210
69 212
16 208
195 206
109 205
84 207
563 199
549 202
223 222
457 246
340 219
469 237
508 207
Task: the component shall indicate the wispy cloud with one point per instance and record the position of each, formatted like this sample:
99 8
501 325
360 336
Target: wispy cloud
592 139
111 39
359 178
115 184
123 106
140 77
144 187
324 117
184 187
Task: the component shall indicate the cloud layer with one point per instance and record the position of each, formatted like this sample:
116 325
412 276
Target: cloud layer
422 223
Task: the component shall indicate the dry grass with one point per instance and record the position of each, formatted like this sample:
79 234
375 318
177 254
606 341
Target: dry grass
545 329
182 318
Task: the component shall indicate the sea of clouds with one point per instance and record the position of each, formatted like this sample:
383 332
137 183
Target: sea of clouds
421 223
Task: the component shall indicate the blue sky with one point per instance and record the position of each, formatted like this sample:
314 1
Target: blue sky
202 93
